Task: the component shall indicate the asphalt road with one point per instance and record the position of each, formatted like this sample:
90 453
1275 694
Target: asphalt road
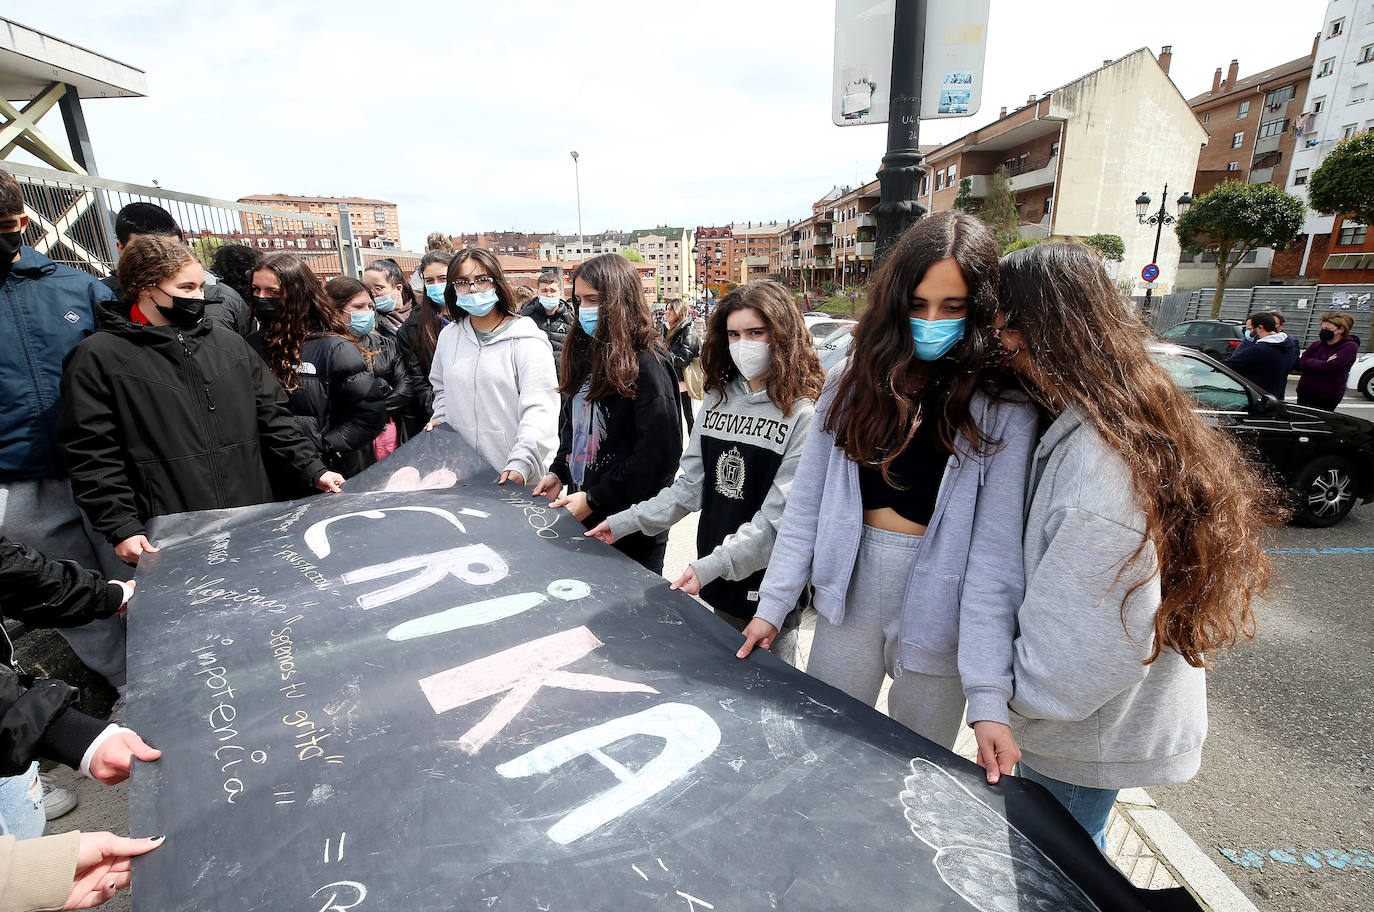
1284 803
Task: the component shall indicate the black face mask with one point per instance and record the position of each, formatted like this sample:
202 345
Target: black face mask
266 308
1326 335
9 248
182 311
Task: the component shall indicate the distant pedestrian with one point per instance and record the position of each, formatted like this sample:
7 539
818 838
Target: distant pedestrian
551 313
1264 362
1144 543
1325 366
685 347
619 433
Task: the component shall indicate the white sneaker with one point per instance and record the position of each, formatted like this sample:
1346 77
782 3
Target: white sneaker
56 801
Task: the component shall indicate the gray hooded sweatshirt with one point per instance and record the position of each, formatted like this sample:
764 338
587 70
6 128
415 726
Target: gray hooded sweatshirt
959 616
1086 711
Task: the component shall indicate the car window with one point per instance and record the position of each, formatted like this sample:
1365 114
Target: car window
823 328
1220 331
1210 387
837 335
1176 332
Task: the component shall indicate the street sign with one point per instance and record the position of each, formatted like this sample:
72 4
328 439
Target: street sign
1150 272
951 79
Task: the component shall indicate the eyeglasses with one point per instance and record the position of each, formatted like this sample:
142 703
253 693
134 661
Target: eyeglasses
481 283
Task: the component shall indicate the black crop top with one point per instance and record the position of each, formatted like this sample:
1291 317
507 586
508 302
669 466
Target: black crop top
917 470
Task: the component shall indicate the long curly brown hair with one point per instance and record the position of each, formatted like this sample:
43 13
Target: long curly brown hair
1207 509
147 260
625 327
886 392
306 310
795 371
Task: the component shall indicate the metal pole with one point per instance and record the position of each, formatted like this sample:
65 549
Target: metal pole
900 176
577 183
1159 231
79 138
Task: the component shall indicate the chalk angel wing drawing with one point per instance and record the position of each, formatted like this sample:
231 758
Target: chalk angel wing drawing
979 854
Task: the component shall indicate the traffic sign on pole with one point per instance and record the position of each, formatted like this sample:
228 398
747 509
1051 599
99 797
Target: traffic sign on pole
1150 272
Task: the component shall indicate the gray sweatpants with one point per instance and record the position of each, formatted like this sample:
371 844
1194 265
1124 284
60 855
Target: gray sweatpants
856 654
40 513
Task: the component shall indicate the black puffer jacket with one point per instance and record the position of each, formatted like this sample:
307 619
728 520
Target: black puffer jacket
683 346
392 373
555 325
36 718
418 364
165 420
337 401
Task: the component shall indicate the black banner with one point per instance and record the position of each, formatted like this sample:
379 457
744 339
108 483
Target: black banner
433 692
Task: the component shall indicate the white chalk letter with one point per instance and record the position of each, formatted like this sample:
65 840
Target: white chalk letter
477 565
316 540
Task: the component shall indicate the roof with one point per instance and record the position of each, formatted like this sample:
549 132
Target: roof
287 198
31 60
1250 83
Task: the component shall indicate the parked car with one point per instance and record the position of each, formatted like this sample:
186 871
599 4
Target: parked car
1326 459
825 325
1218 338
835 347
1362 375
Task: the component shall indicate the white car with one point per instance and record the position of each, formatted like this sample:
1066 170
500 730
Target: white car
1362 375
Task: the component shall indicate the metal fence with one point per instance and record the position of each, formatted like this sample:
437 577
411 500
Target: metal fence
71 221
1301 305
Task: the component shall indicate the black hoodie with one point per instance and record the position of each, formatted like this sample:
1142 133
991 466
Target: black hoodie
161 419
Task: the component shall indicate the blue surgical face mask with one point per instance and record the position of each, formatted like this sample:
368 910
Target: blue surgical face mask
935 337
1249 335
385 304
588 316
436 294
362 322
479 303
549 304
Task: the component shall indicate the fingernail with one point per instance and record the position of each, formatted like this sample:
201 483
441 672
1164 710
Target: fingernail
157 838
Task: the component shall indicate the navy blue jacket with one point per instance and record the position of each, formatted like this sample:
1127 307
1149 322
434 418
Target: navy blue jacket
45 309
1263 363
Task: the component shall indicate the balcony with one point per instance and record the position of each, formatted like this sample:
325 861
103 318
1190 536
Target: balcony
867 220
864 249
1268 143
1033 174
823 262
1261 175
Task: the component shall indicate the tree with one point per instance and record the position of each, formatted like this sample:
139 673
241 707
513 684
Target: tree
999 209
1022 243
204 247
631 254
964 201
1110 246
1344 182
1233 219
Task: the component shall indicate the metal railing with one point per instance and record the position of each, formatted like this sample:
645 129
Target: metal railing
71 221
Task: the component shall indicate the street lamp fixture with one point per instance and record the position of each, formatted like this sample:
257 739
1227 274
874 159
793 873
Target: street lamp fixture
1159 220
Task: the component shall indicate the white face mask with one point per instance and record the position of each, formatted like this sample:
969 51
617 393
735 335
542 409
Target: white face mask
752 358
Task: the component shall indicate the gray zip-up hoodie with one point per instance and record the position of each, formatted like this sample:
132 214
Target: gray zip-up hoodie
959 616
1086 711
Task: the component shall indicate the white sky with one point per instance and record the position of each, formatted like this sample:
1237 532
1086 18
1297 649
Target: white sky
464 114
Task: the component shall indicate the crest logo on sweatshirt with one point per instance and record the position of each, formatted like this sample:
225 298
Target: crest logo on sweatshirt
71 317
730 474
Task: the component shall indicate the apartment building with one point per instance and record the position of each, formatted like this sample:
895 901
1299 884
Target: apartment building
1078 157
1331 249
503 243
374 223
752 244
670 250
572 247
712 260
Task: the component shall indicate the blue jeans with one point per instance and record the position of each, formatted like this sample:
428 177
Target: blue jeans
21 805
1091 807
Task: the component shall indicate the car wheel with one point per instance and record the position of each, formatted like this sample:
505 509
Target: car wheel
1325 492
1367 384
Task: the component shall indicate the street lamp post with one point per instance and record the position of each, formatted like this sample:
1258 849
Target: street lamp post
577 183
1159 220
900 175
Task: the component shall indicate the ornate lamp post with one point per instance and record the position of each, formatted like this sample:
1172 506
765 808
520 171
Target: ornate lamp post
1159 220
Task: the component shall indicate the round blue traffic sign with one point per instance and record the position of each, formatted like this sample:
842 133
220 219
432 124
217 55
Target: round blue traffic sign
1150 272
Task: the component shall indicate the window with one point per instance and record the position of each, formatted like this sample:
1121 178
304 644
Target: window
949 176
278 243
1358 93
1327 66
1318 105
1243 111
1206 117
1279 97
1348 131
1352 234
1273 128
940 180
1366 54
1054 149
1236 140
1210 387
1049 204
1233 166
262 243
1337 27
300 243
1300 177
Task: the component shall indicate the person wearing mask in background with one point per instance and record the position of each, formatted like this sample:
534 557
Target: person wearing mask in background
45 310
418 336
1144 545
906 508
436 241
354 301
221 419
684 347
222 303
1264 363
551 313
38 718
391 295
308 348
234 264
1325 366
493 375
762 382
619 437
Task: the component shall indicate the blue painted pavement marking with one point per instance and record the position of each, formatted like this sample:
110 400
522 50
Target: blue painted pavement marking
1317 859
1369 550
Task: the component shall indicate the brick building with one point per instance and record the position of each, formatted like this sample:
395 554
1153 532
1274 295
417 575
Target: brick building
504 243
374 223
712 258
750 249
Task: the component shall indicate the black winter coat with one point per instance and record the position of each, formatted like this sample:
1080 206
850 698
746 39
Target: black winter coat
555 325
418 364
36 715
337 401
683 346
392 373
165 420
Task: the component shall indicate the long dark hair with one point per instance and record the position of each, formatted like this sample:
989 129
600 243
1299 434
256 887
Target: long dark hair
1207 510
795 372
306 310
886 392
624 328
505 298
428 336
235 264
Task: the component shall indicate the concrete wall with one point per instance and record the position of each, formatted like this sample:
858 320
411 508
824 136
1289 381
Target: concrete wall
1127 129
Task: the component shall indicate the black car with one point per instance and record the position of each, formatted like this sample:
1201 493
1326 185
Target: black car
1218 338
1325 458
